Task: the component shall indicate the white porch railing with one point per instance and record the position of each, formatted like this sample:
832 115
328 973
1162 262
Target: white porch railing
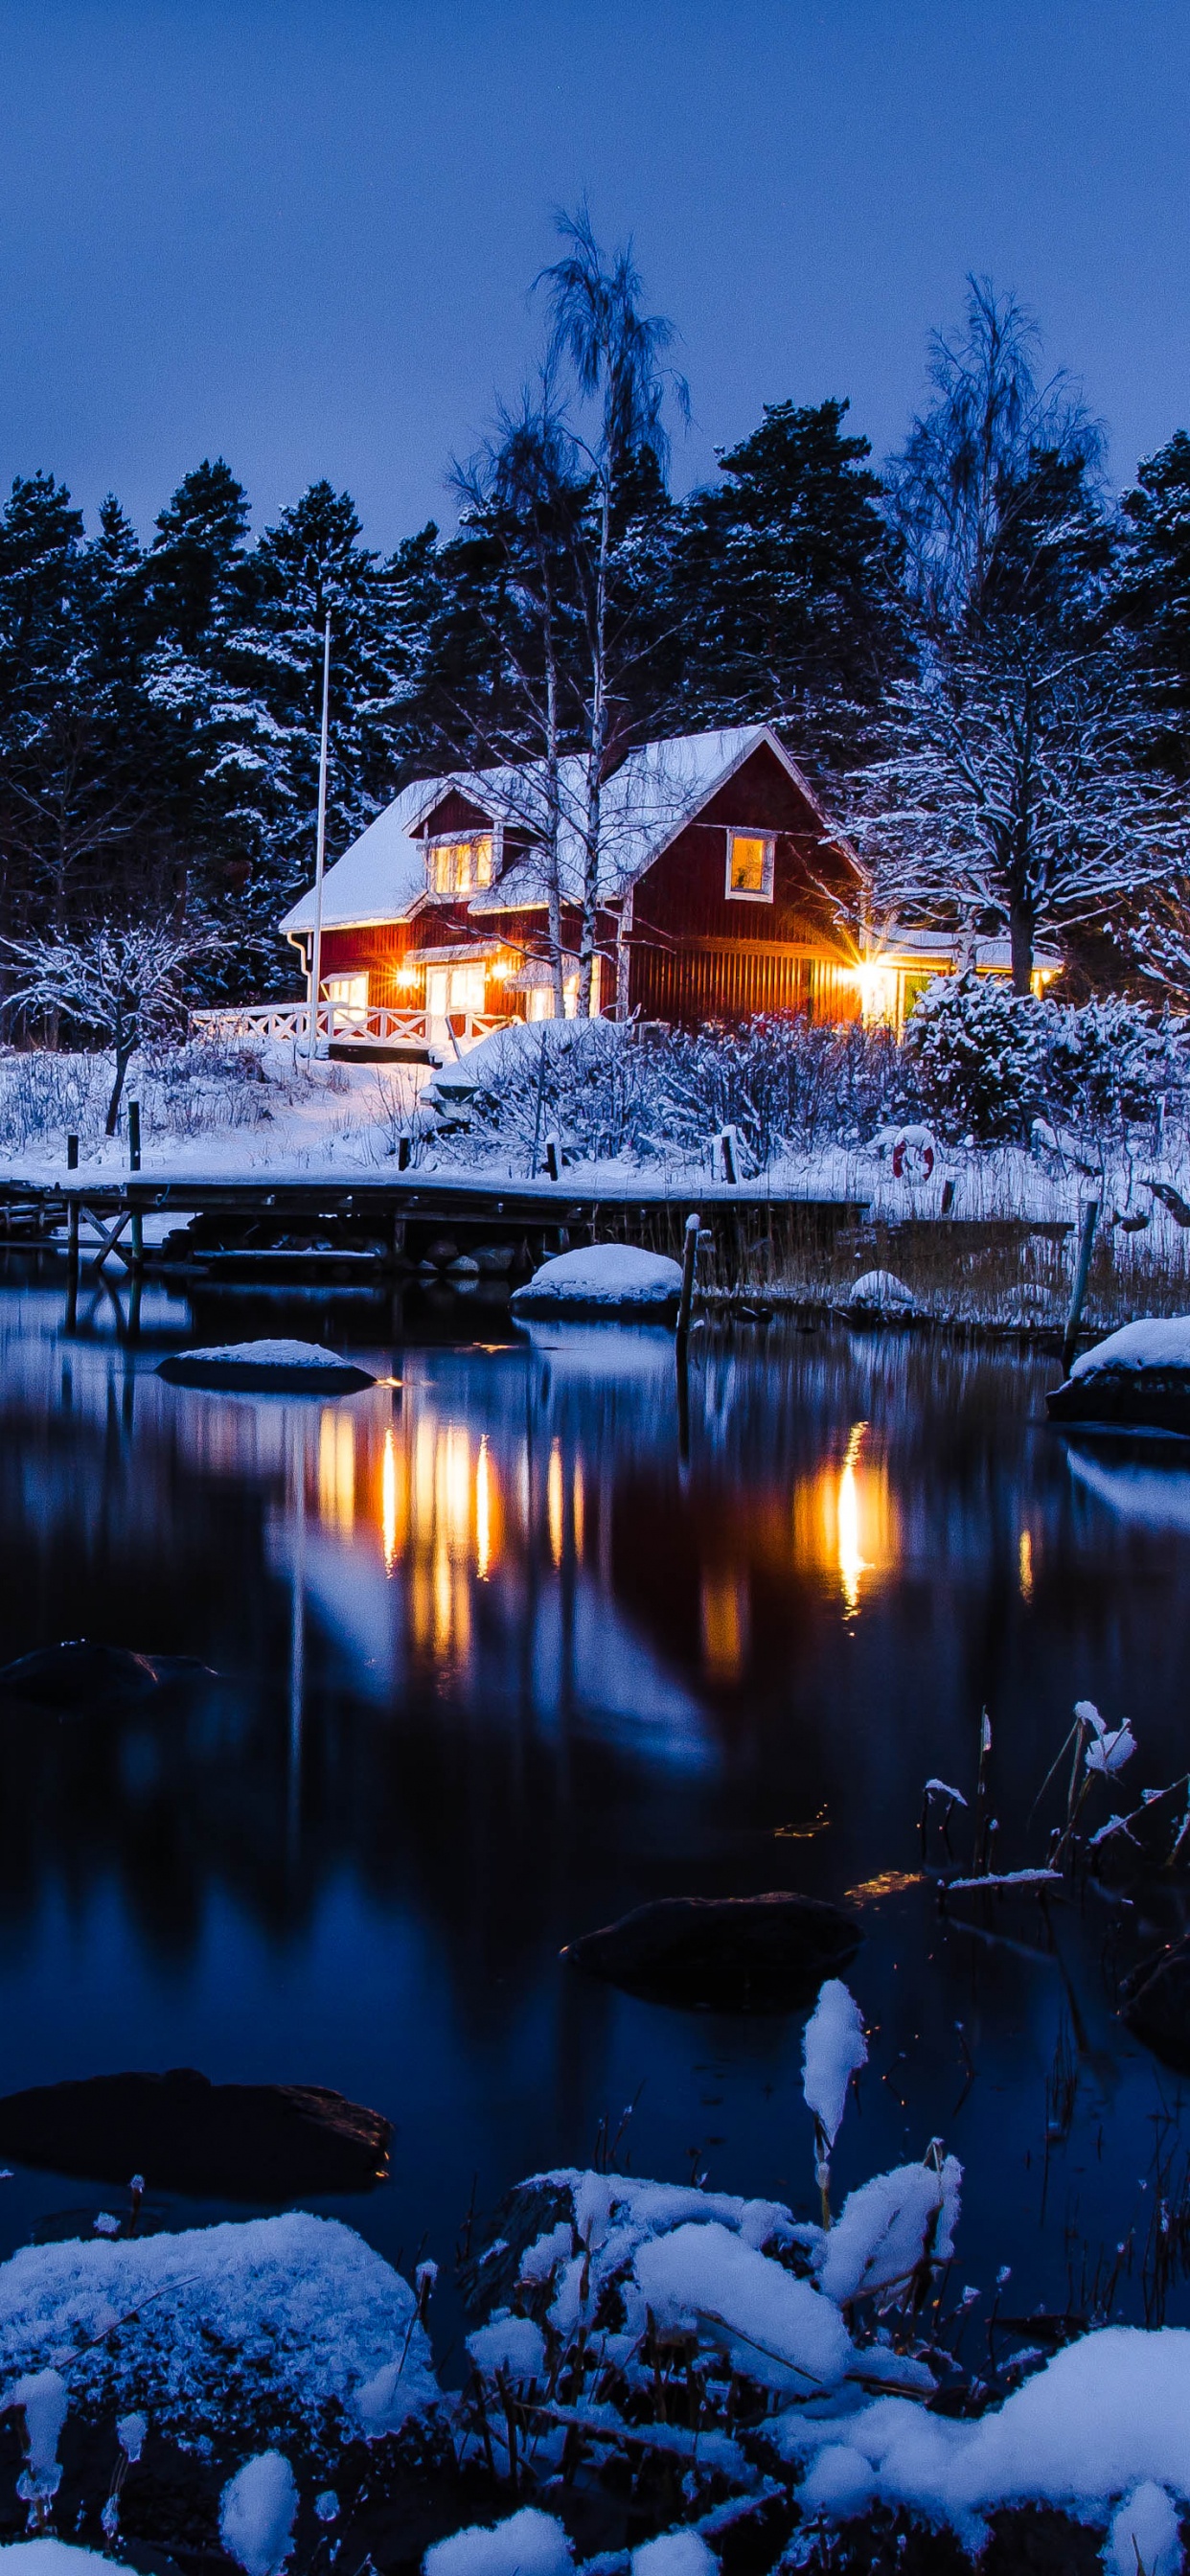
289 1022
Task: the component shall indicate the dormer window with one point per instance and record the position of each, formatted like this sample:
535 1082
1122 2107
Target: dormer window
459 867
750 867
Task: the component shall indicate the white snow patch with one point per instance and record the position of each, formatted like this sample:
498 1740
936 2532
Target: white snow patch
888 2227
675 2553
780 2330
273 2317
1108 2413
527 2544
270 1354
57 2558
1156 1342
606 1274
1144 2534
882 1290
257 2511
511 2344
833 2050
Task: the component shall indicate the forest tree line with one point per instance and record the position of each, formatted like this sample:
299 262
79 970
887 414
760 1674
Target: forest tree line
981 654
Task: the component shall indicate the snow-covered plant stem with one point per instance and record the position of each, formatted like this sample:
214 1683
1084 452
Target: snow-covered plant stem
833 2050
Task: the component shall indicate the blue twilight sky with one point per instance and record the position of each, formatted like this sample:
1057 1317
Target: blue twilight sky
303 234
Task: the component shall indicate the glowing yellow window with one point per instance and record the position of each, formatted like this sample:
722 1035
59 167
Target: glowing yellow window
456 867
750 866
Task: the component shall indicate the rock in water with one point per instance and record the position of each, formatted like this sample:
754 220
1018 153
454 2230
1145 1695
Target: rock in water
606 1279
279 1367
1137 1378
234 2141
721 1953
1155 2003
82 1676
880 1292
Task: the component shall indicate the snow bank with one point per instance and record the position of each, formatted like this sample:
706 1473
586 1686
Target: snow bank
257 2512
1156 1342
270 2322
613 1277
528 2544
1106 2415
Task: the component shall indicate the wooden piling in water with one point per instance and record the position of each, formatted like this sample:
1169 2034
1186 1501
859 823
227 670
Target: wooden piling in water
134 1135
1082 1272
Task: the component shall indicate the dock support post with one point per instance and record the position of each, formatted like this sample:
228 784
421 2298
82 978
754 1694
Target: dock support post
72 1265
682 1342
137 1232
72 1153
134 1135
1082 1272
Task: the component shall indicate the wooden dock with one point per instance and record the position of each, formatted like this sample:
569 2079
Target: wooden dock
392 1214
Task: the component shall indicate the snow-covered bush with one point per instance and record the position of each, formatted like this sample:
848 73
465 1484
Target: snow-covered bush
975 1053
986 1062
1108 1064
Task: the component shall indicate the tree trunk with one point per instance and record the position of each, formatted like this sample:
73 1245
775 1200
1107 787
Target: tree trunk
1020 932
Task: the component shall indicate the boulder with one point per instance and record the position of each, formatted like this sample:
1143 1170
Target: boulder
80 1675
1138 1379
722 1953
279 1367
183 2133
1155 2003
880 1292
606 1279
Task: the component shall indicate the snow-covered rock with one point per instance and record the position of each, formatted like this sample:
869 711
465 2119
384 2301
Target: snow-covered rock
880 1292
274 2322
293 1367
57 2558
780 2330
1138 1376
608 1278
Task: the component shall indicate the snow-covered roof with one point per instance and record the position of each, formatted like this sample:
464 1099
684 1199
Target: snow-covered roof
656 791
377 878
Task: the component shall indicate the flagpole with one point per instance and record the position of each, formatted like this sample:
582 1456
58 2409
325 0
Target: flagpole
320 860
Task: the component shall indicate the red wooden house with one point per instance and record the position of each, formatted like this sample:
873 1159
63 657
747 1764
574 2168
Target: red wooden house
722 892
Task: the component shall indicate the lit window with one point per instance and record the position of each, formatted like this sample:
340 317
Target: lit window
348 998
457 867
750 867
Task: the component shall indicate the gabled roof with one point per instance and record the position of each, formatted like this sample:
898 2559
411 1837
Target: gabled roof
656 791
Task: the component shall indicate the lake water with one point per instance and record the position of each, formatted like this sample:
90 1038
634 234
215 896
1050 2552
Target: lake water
505 1650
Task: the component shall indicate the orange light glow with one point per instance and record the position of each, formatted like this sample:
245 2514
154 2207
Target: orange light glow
723 1618
336 1470
845 1522
554 1502
483 1513
578 1507
1025 1565
388 1501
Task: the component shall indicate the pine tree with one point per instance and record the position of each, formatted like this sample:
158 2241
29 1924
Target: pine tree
786 576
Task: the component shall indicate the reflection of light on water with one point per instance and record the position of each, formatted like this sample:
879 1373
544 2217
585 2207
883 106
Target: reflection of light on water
1026 1565
890 1882
554 1502
845 1521
336 1470
452 1488
578 1507
852 1562
388 1501
723 1611
483 1514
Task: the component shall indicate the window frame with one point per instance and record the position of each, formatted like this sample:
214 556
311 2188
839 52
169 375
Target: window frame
747 894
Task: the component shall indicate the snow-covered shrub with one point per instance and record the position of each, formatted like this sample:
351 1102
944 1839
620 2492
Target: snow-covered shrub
608 1091
1108 1065
976 1054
